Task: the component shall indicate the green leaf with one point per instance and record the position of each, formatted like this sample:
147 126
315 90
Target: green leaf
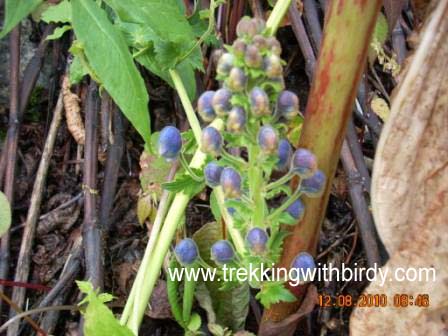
215 207
16 11
61 12
98 318
109 57
58 32
195 322
381 29
275 244
185 183
230 305
172 288
274 292
240 207
5 214
160 43
286 218
77 71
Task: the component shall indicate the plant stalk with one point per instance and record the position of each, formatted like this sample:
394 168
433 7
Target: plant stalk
347 35
189 111
162 245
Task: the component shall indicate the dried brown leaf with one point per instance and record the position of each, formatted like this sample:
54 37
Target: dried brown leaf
410 191
73 113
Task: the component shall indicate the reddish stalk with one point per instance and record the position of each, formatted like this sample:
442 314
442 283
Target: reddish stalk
348 29
12 139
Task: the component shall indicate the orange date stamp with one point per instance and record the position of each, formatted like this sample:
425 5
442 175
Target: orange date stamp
374 300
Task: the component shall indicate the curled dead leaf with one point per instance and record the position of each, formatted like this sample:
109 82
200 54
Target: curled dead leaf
75 124
410 192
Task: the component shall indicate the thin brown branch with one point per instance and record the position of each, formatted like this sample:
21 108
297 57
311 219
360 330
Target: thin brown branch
92 233
23 262
11 142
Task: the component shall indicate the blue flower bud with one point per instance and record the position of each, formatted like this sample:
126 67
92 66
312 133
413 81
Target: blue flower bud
303 163
260 42
259 102
222 252
272 66
211 141
296 210
170 143
274 45
231 211
225 64
231 183
260 24
253 57
237 80
256 240
314 186
212 174
221 102
288 104
302 267
267 139
239 47
284 153
246 27
205 107
186 252
236 120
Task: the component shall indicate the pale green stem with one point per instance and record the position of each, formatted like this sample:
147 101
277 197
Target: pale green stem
294 197
184 164
161 212
256 184
151 268
237 161
238 240
189 111
277 14
211 25
282 180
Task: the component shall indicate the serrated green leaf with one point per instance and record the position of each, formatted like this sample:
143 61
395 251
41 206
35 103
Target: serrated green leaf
98 318
185 183
172 288
58 32
160 43
5 214
275 244
61 12
16 11
109 57
274 292
231 305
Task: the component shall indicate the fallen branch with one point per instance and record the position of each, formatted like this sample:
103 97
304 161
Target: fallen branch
92 233
23 262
